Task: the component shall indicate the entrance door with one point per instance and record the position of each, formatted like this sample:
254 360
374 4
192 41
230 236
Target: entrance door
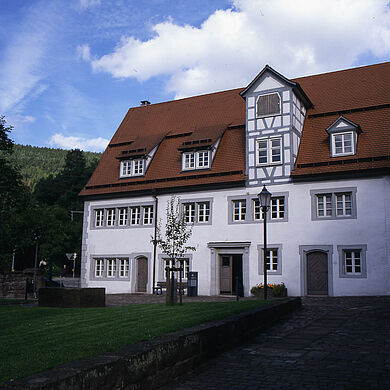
231 275
317 273
226 274
142 274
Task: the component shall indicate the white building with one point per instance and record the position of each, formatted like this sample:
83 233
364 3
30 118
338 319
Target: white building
321 145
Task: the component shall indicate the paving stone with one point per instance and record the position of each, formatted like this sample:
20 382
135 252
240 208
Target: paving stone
333 343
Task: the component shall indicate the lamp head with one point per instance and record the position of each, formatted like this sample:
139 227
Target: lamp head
264 198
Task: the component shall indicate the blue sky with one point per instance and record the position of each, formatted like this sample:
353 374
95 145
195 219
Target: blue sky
71 69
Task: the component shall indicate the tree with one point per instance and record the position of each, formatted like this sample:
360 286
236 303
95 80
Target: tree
177 233
15 203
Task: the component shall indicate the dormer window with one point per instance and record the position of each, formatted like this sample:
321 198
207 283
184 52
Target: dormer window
268 105
342 144
343 137
269 151
132 168
196 160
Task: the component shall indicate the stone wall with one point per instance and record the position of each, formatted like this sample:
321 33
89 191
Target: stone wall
150 365
13 285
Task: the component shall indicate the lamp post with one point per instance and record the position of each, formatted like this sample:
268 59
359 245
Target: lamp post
265 201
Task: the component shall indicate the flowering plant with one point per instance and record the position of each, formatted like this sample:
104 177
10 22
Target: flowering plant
278 290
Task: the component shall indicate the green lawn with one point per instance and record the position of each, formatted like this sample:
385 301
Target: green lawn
33 339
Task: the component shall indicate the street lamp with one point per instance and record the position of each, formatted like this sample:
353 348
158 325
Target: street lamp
265 201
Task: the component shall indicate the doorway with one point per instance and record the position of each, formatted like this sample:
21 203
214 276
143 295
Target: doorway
231 274
317 273
142 274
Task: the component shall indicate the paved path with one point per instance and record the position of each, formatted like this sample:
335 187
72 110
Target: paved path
332 343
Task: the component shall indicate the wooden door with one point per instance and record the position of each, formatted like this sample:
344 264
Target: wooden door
226 274
142 274
317 273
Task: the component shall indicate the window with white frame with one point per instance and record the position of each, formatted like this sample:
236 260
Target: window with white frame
99 217
343 144
277 209
135 215
99 268
324 205
335 204
186 266
343 204
132 168
148 215
203 212
111 268
352 262
110 217
239 210
122 216
196 160
269 151
352 259
123 268
189 212
268 105
272 260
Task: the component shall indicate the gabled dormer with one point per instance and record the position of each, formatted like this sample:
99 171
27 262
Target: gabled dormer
198 150
275 113
137 156
343 137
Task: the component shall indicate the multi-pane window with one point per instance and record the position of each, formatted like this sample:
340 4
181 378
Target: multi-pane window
111 268
343 204
272 260
342 143
138 167
135 215
132 168
186 266
99 267
268 105
324 205
334 205
203 212
257 211
122 216
352 262
277 208
189 160
239 210
99 217
189 212
123 268
148 215
269 151
203 159
110 217
126 168
196 160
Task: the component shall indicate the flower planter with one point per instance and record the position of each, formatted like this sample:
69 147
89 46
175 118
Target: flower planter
259 293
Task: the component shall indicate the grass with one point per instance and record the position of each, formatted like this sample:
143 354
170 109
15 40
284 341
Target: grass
12 301
34 339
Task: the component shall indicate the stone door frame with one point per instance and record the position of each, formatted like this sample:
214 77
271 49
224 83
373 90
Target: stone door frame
304 250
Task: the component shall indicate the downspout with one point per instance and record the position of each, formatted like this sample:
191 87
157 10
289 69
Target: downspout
155 241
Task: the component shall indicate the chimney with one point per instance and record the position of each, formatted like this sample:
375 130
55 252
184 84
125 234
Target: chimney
145 102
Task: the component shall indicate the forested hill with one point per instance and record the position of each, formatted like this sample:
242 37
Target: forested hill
36 163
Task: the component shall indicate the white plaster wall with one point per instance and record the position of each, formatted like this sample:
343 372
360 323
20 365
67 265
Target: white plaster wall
371 228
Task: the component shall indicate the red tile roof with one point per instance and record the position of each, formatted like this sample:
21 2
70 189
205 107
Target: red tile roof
361 95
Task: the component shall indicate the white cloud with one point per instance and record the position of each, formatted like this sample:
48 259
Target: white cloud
22 68
84 52
295 37
84 4
71 142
